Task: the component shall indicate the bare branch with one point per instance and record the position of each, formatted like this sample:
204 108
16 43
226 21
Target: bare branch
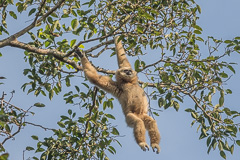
99 45
37 125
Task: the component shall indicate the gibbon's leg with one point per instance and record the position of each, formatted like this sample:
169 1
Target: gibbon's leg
138 129
92 75
121 56
153 132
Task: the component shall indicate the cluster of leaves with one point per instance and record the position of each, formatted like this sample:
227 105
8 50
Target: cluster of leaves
11 122
44 75
80 137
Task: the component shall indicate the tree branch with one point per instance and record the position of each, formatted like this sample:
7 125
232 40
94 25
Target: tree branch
55 53
6 41
99 45
37 125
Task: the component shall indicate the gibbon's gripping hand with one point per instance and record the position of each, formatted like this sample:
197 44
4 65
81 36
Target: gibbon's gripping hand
144 146
79 53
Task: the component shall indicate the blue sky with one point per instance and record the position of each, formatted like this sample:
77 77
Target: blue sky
219 18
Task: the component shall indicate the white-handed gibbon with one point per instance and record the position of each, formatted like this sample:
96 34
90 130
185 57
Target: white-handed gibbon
130 95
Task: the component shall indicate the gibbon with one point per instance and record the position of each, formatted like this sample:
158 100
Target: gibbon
130 95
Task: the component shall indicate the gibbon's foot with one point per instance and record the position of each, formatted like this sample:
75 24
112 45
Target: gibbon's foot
155 146
79 53
144 146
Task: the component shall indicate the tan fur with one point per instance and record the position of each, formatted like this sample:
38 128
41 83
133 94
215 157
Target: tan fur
130 95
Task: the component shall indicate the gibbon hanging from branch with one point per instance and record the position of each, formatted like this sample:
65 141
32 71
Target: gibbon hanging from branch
130 95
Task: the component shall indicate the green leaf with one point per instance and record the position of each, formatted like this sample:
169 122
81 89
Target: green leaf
4 156
50 20
74 24
209 140
90 3
110 116
223 75
112 150
12 14
228 121
199 9
40 150
72 43
155 113
31 11
69 111
7 128
137 65
227 41
223 155
238 142
228 91
232 149
197 32
39 104
67 82
220 146
29 148
139 29
34 137
172 78
161 102
237 48
231 68
51 93
189 110
221 101
194 115
148 16
61 124
115 131
176 105
77 88
47 43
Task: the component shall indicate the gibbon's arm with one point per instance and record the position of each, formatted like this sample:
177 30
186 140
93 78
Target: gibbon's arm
104 82
121 56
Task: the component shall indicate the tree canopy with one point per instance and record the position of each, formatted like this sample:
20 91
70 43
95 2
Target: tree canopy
180 69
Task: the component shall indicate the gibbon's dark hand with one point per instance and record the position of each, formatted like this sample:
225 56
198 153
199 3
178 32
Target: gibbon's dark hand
79 53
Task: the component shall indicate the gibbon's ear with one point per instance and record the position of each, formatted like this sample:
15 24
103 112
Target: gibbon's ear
79 53
121 56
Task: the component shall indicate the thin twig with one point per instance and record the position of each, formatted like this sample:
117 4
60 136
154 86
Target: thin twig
40 9
99 45
37 125
95 90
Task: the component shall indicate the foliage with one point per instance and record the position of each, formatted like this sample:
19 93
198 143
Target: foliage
182 70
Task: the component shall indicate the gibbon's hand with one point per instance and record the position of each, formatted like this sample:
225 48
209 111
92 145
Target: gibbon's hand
144 146
79 53
156 147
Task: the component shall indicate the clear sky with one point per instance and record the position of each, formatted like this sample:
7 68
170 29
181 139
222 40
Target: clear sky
219 18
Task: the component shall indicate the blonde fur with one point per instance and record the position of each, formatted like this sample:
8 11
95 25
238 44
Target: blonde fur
130 95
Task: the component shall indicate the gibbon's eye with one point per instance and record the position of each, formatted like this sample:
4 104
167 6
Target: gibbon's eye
128 72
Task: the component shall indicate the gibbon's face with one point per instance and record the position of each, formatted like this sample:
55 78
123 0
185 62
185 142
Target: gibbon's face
126 74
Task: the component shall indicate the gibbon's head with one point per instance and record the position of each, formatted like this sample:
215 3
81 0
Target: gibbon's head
126 74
